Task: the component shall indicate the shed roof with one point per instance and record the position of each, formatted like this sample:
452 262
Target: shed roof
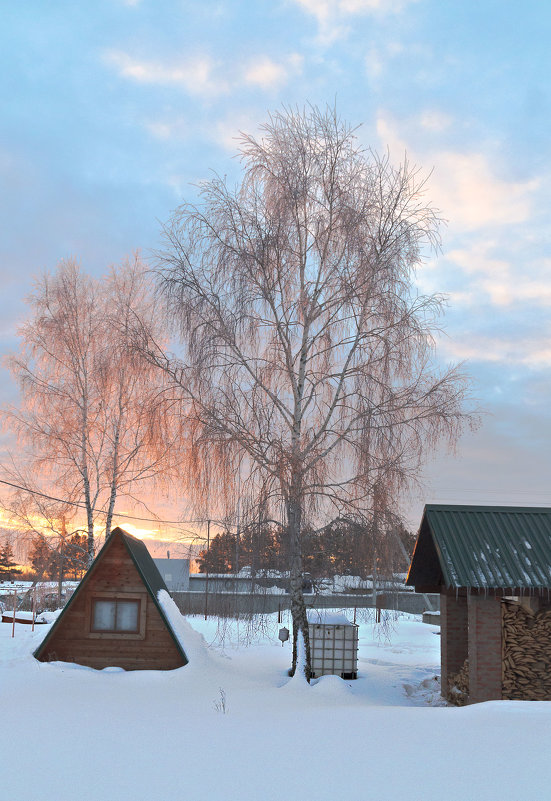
485 547
152 579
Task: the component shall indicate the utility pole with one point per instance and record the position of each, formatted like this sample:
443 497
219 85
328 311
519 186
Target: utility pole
237 533
207 573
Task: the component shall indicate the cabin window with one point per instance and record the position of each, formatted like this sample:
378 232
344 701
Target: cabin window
115 615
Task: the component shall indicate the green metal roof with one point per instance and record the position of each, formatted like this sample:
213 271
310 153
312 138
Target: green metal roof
145 565
149 573
486 547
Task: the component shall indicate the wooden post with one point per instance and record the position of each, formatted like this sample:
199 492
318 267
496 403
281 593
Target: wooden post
14 611
34 607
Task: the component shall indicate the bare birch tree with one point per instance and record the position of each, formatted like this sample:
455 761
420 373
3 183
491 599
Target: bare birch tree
307 364
89 422
143 445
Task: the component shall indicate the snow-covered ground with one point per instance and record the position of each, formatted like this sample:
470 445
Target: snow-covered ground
231 726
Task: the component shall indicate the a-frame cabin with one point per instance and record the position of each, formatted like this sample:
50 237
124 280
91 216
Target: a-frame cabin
114 617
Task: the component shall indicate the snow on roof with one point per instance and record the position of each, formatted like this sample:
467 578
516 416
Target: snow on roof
324 618
190 640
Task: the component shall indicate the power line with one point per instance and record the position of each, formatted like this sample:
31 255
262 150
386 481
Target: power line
78 505
435 492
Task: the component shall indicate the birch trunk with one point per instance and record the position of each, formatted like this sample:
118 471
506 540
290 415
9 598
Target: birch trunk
86 486
61 563
114 481
298 606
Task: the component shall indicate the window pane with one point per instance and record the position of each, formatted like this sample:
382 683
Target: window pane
104 616
127 615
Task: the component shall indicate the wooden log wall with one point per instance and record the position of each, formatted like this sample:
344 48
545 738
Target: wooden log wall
526 650
458 686
114 575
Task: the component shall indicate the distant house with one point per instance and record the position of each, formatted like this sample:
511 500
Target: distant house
175 573
114 617
492 568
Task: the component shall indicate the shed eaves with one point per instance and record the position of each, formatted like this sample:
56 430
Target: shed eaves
484 547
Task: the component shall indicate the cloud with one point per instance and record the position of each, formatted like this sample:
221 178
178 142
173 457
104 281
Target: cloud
374 63
435 121
269 74
177 128
464 185
378 57
469 193
334 17
204 76
196 75
495 279
478 260
512 291
529 352
225 131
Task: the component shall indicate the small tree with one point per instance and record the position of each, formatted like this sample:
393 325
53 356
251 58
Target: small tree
220 556
8 566
307 364
40 555
76 552
92 421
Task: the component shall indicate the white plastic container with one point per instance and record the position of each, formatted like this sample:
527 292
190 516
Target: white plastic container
333 645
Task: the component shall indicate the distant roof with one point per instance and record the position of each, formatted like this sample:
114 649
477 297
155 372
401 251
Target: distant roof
175 566
485 547
181 563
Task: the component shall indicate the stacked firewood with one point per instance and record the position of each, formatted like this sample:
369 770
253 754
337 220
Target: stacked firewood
526 646
458 686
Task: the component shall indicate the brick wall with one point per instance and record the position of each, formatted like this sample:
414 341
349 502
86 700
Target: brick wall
484 648
453 635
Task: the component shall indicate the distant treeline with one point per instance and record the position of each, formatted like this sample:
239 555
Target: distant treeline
343 547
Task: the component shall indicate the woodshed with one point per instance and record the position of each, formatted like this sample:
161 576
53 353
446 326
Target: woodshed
492 568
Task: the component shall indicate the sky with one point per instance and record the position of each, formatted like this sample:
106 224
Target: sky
113 111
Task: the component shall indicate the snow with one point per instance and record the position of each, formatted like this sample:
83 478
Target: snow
10 586
327 618
232 726
18 615
192 642
299 675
